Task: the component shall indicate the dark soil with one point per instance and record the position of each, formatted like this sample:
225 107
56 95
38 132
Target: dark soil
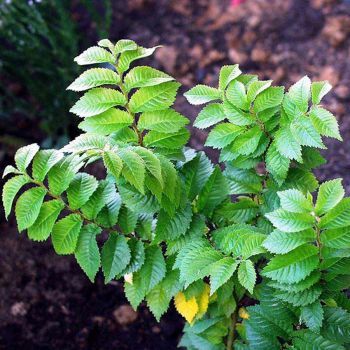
46 302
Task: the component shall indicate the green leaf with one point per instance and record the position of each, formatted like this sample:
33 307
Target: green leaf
336 325
115 256
106 43
290 222
325 123
299 93
277 164
47 217
222 135
65 234
242 181
87 252
227 74
279 242
86 142
96 101
94 77
124 45
257 87
209 115
24 156
312 316
294 201
318 90
10 190
166 140
221 272
151 273
287 145
113 163
293 266
303 298
307 340
337 217
337 238
165 121
107 122
9 169
214 192
81 189
237 116
133 169
305 133
145 76
93 55
44 161
247 275
330 194
137 259
248 141
236 95
127 57
201 94
154 98
28 207
271 97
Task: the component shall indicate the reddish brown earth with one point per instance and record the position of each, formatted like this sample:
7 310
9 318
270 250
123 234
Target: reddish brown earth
46 302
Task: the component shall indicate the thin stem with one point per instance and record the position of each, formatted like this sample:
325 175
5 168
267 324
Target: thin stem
231 334
318 240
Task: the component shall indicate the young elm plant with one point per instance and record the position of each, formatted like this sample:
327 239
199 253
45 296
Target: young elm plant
255 256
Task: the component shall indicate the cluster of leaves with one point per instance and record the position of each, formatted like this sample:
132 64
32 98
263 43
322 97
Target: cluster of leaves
39 39
178 227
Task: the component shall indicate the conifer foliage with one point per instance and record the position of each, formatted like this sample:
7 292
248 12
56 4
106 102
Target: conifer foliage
255 256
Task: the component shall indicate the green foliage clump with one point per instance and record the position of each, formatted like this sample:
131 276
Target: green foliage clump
255 256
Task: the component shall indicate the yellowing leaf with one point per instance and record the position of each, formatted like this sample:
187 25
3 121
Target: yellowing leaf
243 313
186 308
203 301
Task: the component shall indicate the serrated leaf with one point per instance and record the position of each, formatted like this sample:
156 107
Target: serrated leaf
127 57
336 325
227 74
133 169
142 76
65 234
222 135
290 222
81 189
294 201
115 256
337 217
248 141
257 87
236 116
307 340
10 189
221 272
293 266
279 242
325 123
330 194
277 164
107 122
9 169
201 94
236 95
303 298
47 217
165 121
113 163
137 252
242 181
44 161
93 55
186 308
299 93
28 207
247 275
312 315
87 252
305 133
94 77
106 43
125 45
271 97
167 140
210 115
86 142
318 90
96 101
287 145
337 238
24 156
154 98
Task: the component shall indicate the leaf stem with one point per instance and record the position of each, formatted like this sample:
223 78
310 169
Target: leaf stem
231 334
